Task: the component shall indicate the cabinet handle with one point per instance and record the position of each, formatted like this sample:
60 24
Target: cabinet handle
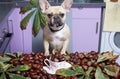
10 26
96 27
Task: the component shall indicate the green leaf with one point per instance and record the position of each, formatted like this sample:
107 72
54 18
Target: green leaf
25 9
1 70
7 66
66 72
4 59
89 71
16 76
33 2
99 74
4 67
87 77
36 24
78 69
19 68
107 56
25 20
3 76
19 54
112 70
1 64
81 77
10 55
43 20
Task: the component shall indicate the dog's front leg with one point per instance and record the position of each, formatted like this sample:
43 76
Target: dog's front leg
65 47
46 47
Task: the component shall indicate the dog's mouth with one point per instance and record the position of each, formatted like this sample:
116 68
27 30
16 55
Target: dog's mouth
55 24
56 27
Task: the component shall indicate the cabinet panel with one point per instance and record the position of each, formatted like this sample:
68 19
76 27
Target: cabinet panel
22 39
86 12
3 41
85 35
16 44
27 36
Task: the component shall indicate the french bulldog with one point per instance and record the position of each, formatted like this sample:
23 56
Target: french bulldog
56 33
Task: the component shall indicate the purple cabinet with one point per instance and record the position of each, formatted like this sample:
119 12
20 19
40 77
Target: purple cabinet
3 39
21 40
85 29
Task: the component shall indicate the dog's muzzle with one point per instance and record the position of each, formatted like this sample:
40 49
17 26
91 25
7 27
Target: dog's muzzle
56 21
55 24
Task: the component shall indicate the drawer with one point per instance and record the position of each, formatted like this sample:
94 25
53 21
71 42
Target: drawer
86 12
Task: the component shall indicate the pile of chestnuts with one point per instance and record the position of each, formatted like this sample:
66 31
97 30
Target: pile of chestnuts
36 62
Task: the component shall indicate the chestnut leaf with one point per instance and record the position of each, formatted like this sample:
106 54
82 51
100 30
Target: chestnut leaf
3 76
89 71
11 55
112 70
4 59
66 72
81 77
36 24
16 76
107 56
78 69
25 9
19 68
99 74
25 20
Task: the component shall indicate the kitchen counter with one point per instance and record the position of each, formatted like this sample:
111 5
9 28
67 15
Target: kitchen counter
6 6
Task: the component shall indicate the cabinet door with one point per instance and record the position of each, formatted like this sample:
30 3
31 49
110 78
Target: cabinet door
16 44
85 35
22 39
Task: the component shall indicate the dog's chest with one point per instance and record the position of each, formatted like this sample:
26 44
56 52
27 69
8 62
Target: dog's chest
57 39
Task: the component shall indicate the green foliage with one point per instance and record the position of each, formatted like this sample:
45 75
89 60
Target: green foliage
4 59
15 76
3 76
19 68
76 70
24 9
107 56
38 20
25 21
99 74
11 55
100 71
7 69
36 24
66 72
112 70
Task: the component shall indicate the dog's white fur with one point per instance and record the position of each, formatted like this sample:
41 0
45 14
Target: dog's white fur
56 40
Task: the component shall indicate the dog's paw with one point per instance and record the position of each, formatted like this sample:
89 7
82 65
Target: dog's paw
46 53
63 53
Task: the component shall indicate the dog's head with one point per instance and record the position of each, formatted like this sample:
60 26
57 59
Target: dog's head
55 15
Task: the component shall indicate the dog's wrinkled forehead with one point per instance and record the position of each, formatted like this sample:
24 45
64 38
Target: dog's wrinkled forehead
55 10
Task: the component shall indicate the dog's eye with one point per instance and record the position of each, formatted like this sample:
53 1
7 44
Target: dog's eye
61 14
49 15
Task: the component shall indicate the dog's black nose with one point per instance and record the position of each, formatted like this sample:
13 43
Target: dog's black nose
57 20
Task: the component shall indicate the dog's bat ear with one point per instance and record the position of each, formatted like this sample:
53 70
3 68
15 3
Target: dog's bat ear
44 4
67 4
